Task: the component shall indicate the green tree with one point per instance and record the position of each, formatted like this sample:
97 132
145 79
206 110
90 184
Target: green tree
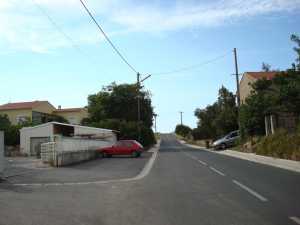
120 101
4 122
183 130
266 67
295 38
115 107
217 119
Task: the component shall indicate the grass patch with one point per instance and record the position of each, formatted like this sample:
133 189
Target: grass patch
280 145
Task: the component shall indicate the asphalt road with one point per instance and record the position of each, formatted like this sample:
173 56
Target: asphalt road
184 187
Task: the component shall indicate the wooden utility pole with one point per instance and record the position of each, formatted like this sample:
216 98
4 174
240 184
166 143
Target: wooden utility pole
138 105
237 79
155 115
181 117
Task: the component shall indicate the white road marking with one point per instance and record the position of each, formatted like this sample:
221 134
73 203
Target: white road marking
195 158
254 193
203 163
217 171
295 219
145 171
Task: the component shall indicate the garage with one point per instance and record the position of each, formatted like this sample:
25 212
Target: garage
31 138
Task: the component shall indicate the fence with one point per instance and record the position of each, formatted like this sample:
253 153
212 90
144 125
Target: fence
65 151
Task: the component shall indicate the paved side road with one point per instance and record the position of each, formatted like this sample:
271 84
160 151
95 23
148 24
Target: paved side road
101 169
184 187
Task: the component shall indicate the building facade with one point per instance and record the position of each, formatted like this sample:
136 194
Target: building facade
39 112
249 78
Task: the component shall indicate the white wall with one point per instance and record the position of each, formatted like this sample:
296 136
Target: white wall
74 144
2 165
46 130
108 134
27 132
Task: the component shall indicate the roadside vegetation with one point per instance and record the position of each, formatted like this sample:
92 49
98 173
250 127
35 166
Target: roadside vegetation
115 107
280 95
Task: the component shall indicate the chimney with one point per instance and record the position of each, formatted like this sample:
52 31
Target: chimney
59 107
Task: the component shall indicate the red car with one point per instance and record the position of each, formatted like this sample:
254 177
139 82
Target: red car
123 147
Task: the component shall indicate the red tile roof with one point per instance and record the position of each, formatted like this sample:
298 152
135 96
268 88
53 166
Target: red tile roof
21 105
69 110
260 75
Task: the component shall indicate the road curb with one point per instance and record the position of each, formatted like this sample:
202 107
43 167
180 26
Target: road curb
266 160
143 173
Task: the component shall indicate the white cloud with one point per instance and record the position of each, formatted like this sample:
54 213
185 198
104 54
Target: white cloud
24 27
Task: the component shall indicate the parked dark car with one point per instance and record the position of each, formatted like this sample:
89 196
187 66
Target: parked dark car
228 141
123 147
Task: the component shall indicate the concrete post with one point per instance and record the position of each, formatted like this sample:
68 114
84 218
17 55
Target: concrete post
2 162
272 124
266 125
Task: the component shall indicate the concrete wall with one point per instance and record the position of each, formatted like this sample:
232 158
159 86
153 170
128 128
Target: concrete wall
65 144
65 151
27 132
68 158
1 152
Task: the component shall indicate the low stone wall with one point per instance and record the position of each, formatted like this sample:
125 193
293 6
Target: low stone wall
73 157
49 154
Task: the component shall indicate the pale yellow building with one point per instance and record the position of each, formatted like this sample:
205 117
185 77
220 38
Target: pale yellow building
40 112
73 115
249 78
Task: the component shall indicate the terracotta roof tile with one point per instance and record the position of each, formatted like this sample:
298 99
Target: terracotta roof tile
260 75
21 105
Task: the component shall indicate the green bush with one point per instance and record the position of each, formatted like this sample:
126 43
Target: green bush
183 130
280 145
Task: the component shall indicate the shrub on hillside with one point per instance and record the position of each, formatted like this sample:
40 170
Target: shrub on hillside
183 130
281 145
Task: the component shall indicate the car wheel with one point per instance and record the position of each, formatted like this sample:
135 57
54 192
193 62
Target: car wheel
135 154
104 154
223 146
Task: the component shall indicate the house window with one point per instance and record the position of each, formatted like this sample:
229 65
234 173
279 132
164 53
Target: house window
73 120
22 119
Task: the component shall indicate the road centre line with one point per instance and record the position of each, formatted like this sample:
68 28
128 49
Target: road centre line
295 219
217 171
249 190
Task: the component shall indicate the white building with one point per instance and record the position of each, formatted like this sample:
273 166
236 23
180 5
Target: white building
33 137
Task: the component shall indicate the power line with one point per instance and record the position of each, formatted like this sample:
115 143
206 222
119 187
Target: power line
107 38
193 66
58 28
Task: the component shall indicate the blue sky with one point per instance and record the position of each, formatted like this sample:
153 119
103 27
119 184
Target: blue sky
39 63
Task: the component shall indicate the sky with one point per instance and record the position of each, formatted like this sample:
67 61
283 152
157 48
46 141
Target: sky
51 50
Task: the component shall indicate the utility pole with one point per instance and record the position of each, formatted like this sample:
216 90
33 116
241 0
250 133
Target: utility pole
181 117
237 79
138 104
138 84
155 115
